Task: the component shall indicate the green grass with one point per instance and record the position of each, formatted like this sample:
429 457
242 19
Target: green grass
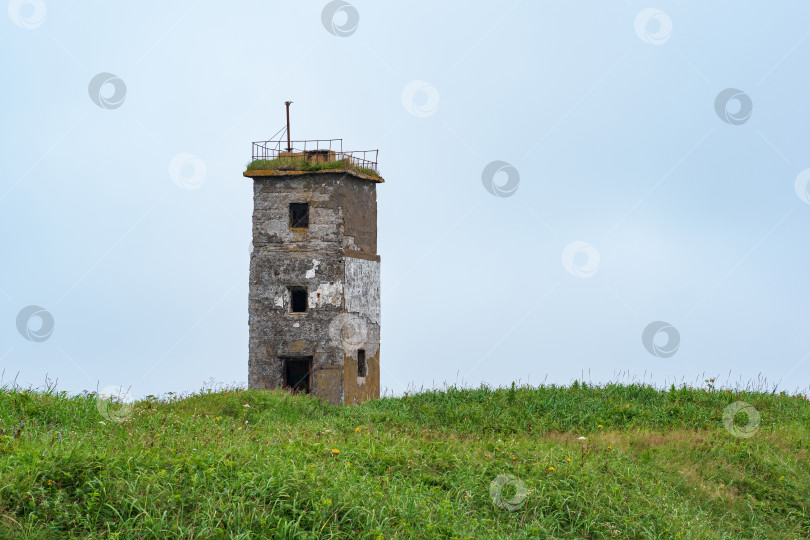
258 464
303 164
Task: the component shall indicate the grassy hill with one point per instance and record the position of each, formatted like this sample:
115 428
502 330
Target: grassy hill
479 463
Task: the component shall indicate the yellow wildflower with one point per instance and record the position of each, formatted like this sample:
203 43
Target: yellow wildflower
568 460
335 451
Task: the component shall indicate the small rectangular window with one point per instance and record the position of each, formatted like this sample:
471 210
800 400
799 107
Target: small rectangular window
298 299
362 366
299 215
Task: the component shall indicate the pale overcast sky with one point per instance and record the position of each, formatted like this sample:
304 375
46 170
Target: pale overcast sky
650 176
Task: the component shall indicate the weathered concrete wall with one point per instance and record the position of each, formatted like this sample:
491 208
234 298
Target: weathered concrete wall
359 389
360 216
337 285
276 332
362 296
271 218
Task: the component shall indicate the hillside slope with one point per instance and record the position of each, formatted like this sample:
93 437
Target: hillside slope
480 463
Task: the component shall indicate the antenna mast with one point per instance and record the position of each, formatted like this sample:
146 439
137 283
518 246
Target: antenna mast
289 146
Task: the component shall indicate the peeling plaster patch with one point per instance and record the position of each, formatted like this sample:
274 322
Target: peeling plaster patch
279 301
361 381
311 273
327 294
296 325
349 243
363 288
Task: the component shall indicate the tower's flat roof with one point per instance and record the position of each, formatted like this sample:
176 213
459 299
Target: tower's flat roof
261 173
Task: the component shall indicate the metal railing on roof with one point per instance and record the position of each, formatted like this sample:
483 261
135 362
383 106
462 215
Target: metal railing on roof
323 150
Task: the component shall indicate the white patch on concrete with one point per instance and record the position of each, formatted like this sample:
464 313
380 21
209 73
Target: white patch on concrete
296 325
361 381
348 243
327 294
363 288
311 272
279 301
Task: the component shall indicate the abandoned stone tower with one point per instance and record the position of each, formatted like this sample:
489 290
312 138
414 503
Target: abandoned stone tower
314 301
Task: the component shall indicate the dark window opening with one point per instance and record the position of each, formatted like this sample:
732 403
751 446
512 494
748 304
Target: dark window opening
362 366
298 299
296 373
299 215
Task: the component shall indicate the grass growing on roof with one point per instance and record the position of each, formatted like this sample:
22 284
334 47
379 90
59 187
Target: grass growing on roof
233 463
303 164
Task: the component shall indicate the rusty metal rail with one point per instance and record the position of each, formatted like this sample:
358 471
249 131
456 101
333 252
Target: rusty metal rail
315 149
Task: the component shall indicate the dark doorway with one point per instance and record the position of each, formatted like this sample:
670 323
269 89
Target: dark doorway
362 367
296 373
